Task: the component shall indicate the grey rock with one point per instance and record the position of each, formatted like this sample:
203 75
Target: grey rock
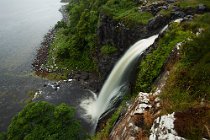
170 1
178 14
157 22
201 8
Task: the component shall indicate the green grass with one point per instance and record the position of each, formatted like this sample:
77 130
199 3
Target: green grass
104 133
192 3
57 76
189 80
151 66
3 136
108 49
127 12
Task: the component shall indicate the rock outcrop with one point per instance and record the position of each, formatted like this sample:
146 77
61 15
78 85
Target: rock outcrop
122 37
137 120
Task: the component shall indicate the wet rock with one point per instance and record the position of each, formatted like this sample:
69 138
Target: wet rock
157 22
154 8
178 14
175 8
89 80
201 8
141 1
188 17
122 37
84 76
170 1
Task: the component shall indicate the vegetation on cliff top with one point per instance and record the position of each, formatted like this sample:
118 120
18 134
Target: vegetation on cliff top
126 11
192 3
42 120
75 45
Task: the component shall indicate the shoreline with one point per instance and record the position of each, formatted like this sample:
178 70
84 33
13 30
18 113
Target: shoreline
43 51
42 54
88 80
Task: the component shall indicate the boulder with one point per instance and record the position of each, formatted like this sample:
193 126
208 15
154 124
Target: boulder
201 8
157 23
170 1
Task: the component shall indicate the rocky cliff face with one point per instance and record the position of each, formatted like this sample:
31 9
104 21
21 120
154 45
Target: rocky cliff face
122 37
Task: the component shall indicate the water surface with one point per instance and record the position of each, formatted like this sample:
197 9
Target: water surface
23 23
22 26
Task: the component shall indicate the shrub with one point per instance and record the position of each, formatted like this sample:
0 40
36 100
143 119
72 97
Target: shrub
3 136
127 12
108 49
60 24
42 120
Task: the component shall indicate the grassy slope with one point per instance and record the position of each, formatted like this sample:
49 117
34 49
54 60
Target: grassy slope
192 3
189 80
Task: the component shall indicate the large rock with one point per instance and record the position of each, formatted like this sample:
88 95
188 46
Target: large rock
201 8
157 22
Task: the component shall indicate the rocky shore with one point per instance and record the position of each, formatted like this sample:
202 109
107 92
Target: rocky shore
42 54
88 80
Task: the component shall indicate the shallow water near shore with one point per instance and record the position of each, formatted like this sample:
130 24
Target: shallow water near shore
23 24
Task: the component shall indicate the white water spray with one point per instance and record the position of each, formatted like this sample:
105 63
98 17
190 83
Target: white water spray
116 84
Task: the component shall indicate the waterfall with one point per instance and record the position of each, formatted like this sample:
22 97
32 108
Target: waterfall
117 82
117 78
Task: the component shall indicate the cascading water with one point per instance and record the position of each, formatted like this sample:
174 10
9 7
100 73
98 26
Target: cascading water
116 84
118 76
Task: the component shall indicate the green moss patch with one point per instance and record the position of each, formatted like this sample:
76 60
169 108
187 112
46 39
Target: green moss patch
127 12
192 3
108 49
